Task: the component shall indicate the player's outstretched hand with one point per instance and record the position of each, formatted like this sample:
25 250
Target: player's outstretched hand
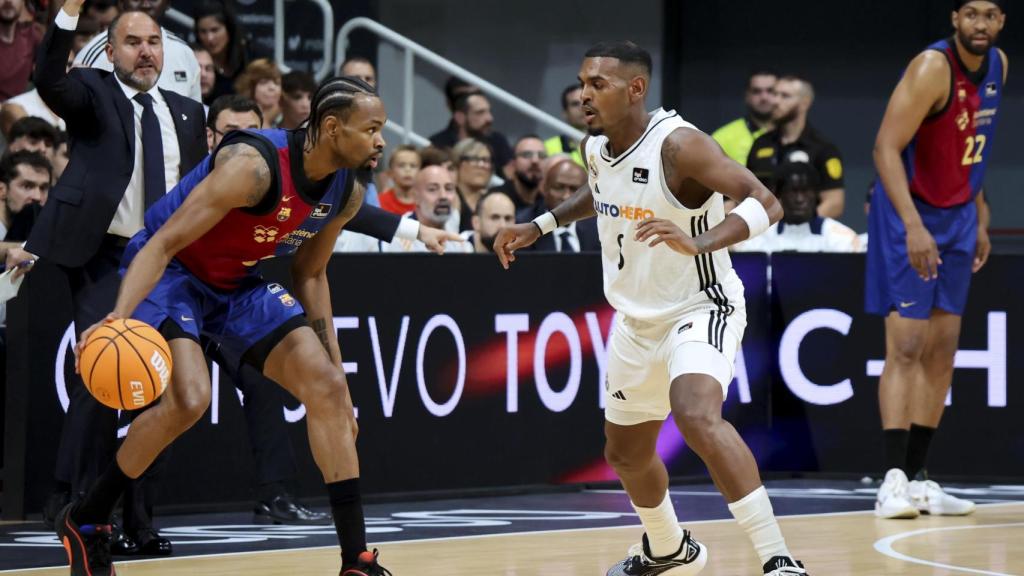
981 250
665 231
513 238
88 332
923 252
436 239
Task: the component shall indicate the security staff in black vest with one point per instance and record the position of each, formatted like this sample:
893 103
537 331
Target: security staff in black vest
793 140
131 142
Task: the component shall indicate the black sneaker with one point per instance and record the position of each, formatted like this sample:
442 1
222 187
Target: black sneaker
366 566
283 510
687 561
783 566
88 545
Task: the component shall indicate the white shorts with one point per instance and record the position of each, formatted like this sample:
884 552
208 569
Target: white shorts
644 358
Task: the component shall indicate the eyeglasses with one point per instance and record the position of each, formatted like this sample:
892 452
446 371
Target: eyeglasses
531 154
481 160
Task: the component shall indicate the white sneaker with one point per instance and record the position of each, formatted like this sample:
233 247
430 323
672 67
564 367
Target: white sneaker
689 560
893 497
929 498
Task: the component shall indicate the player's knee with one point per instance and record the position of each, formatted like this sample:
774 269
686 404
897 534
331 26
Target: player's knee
907 349
626 458
695 423
328 392
190 406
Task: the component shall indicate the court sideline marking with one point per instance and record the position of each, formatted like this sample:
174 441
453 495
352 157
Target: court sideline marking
884 546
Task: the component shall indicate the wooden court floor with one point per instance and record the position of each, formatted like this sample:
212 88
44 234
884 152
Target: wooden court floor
853 543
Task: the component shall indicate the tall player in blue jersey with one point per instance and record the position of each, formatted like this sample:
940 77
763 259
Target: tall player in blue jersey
927 236
193 268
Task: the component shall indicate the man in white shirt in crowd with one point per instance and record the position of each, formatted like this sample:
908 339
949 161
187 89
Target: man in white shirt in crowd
801 229
181 69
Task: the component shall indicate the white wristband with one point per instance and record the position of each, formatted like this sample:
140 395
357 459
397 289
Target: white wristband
754 215
546 222
408 229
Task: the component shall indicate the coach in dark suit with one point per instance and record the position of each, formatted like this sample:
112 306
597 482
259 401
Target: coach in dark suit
131 142
562 177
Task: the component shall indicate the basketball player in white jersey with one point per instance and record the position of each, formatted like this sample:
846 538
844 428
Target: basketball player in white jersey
656 185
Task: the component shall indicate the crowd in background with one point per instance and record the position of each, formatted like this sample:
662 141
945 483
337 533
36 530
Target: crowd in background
244 88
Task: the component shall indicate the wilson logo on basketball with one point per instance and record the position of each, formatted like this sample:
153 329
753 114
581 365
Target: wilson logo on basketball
161 368
138 394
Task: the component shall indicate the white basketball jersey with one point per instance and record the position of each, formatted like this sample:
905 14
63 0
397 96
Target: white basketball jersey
654 284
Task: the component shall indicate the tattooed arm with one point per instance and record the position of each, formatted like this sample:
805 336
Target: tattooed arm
309 276
241 178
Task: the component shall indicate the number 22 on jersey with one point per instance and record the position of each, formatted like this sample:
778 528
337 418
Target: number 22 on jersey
973 147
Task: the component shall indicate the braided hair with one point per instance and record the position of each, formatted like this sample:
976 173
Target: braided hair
334 96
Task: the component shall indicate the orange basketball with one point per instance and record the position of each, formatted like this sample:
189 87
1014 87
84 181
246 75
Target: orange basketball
126 364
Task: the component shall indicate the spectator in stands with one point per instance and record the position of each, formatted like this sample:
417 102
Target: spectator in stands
207 73
29 104
434 156
231 112
25 179
524 185
297 90
572 112
102 12
472 118
18 43
455 87
794 140
493 212
738 136
403 166
180 73
801 228
473 173
261 83
218 30
360 68
562 178
434 194
35 134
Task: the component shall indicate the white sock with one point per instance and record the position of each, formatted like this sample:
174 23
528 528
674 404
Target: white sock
754 514
663 531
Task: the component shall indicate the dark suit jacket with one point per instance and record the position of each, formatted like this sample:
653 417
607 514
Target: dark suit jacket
101 128
586 230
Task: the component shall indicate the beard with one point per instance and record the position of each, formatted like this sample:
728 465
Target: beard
479 133
527 180
136 81
488 242
789 117
965 41
761 117
595 131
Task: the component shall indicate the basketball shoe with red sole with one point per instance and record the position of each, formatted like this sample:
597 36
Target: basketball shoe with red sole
88 545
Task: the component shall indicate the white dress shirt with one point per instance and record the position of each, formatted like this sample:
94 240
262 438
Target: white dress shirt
820 235
569 234
180 72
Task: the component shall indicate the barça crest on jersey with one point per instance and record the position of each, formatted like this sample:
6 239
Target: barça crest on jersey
990 89
286 299
284 214
640 175
961 94
321 211
262 234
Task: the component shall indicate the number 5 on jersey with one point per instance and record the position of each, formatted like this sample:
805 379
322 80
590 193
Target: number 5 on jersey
973 147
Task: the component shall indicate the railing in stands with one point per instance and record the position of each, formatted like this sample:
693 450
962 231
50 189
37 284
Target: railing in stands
181 18
412 50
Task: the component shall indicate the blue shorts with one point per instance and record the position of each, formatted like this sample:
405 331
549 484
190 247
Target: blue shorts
257 312
893 284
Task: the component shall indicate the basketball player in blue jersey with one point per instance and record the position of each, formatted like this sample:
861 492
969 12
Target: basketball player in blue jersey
656 185
927 232
192 268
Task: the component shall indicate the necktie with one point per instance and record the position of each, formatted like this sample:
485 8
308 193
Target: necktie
154 186
567 246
